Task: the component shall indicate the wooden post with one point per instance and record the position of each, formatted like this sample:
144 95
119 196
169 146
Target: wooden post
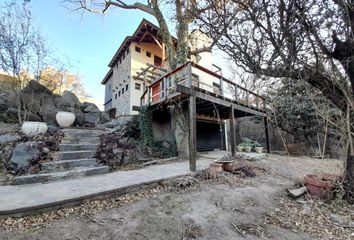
189 75
266 133
232 131
192 132
236 97
149 98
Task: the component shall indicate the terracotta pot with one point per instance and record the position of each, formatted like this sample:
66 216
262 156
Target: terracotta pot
65 119
34 128
239 148
228 167
259 149
320 185
216 167
248 149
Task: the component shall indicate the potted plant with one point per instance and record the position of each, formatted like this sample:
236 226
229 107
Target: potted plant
31 128
239 148
321 185
246 144
257 147
65 119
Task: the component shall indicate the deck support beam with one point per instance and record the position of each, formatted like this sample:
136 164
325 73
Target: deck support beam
232 131
192 132
266 133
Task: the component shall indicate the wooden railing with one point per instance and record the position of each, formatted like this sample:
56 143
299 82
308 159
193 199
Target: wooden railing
194 76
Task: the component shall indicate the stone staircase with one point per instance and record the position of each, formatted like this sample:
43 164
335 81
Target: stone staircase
74 159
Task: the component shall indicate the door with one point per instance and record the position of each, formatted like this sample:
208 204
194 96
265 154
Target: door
210 136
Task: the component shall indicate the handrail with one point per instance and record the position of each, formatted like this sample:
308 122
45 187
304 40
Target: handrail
224 79
258 97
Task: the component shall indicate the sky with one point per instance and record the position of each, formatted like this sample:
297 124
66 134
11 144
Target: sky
89 40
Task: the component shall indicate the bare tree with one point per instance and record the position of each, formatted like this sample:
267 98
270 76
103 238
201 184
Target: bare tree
306 40
184 14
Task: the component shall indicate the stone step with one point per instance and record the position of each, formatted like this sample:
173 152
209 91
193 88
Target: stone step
46 177
80 140
65 165
73 155
82 132
77 147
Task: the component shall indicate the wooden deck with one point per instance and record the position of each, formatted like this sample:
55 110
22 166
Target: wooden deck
209 95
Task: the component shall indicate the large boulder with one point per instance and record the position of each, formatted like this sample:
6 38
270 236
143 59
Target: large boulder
23 156
105 117
34 87
72 99
48 111
62 103
92 118
13 113
90 107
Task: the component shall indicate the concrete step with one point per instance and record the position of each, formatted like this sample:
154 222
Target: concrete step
85 133
73 155
80 140
65 165
77 147
46 177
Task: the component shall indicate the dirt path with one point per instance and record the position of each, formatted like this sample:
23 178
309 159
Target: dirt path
212 211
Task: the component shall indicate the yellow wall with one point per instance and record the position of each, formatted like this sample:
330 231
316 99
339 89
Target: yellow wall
138 61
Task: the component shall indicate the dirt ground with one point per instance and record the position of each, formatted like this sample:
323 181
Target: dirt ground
240 208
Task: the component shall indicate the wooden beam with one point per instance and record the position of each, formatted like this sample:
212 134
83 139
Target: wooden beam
232 131
208 118
267 133
192 133
155 39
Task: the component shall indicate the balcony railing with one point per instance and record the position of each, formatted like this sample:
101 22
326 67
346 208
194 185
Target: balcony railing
192 75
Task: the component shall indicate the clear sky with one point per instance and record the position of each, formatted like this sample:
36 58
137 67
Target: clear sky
89 41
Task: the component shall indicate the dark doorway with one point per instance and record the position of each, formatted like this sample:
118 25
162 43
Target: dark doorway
209 136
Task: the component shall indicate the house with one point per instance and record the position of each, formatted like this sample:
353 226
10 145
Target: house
144 49
193 106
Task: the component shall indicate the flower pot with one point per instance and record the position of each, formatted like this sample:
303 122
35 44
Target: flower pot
321 185
239 148
216 167
258 149
34 128
65 119
228 167
248 149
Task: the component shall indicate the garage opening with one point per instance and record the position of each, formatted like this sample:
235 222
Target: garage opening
210 136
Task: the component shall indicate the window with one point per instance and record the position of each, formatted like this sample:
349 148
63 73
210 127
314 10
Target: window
126 88
148 54
115 96
157 61
119 94
122 91
137 86
138 49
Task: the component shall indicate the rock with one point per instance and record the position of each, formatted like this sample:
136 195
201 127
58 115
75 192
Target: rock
45 150
23 156
62 103
92 118
34 87
7 138
29 115
3 105
52 129
72 99
118 153
166 145
295 193
104 117
90 107
79 118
